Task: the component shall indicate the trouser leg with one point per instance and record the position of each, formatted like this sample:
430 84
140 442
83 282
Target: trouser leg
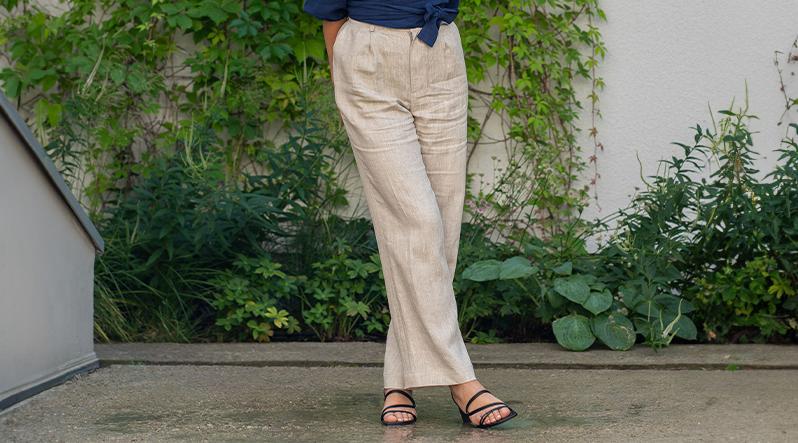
410 235
414 193
442 134
392 371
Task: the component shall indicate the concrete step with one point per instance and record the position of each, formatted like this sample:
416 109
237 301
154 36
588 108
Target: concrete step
517 355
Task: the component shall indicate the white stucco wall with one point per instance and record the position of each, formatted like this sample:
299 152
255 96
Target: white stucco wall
46 273
668 61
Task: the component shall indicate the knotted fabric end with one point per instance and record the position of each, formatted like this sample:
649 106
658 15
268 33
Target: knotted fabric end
433 14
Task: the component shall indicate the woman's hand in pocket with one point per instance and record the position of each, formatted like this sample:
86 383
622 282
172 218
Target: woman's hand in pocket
330 30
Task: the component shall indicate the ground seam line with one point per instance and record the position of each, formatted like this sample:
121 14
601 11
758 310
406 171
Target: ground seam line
550 366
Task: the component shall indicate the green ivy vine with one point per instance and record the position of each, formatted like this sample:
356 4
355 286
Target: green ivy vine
111 85
524 60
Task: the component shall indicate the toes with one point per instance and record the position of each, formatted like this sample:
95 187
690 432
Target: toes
497 415
500 414
398 416
403 416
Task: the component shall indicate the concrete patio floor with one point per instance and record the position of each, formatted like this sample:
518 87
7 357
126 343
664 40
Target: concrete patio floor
313 392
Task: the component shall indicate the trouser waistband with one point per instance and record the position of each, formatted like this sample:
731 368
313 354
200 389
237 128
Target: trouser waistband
385 29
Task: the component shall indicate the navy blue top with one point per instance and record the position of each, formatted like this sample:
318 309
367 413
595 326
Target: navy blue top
426 14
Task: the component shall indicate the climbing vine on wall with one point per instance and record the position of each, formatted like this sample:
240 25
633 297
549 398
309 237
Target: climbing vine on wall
785 67
112 85
525 60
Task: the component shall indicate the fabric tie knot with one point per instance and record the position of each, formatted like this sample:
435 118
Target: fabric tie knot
432 12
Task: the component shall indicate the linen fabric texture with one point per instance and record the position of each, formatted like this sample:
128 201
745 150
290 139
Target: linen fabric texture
404 106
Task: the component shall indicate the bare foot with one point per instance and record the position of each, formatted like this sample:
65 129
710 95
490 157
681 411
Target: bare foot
398 414
463 392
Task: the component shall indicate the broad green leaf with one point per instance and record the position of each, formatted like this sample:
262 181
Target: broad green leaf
12 86
670 273
649 308
684 327
645 328
670 303
598 302
573 288
564 269
534 249
516 267
630 296
597 286
555 300
615 331
573 332
484 270
309 48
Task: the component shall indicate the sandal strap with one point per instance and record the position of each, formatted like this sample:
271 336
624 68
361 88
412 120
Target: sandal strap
474 397
487 414
386 411
482 408
402 392
398 406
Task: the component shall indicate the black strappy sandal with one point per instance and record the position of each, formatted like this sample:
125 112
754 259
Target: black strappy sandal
498 405
387 409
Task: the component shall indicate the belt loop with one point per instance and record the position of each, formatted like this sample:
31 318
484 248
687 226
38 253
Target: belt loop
371 27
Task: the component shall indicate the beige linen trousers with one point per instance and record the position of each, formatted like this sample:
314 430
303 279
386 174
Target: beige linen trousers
404 106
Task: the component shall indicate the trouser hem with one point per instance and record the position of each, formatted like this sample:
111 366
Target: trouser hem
412 381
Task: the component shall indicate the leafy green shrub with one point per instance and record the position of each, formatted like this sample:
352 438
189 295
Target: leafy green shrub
723 232
588 306
185 220
722 239
178 228
344 297
755 297
490 309
248 299
728 242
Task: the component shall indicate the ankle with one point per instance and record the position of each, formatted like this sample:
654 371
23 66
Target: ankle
396 397
463 391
